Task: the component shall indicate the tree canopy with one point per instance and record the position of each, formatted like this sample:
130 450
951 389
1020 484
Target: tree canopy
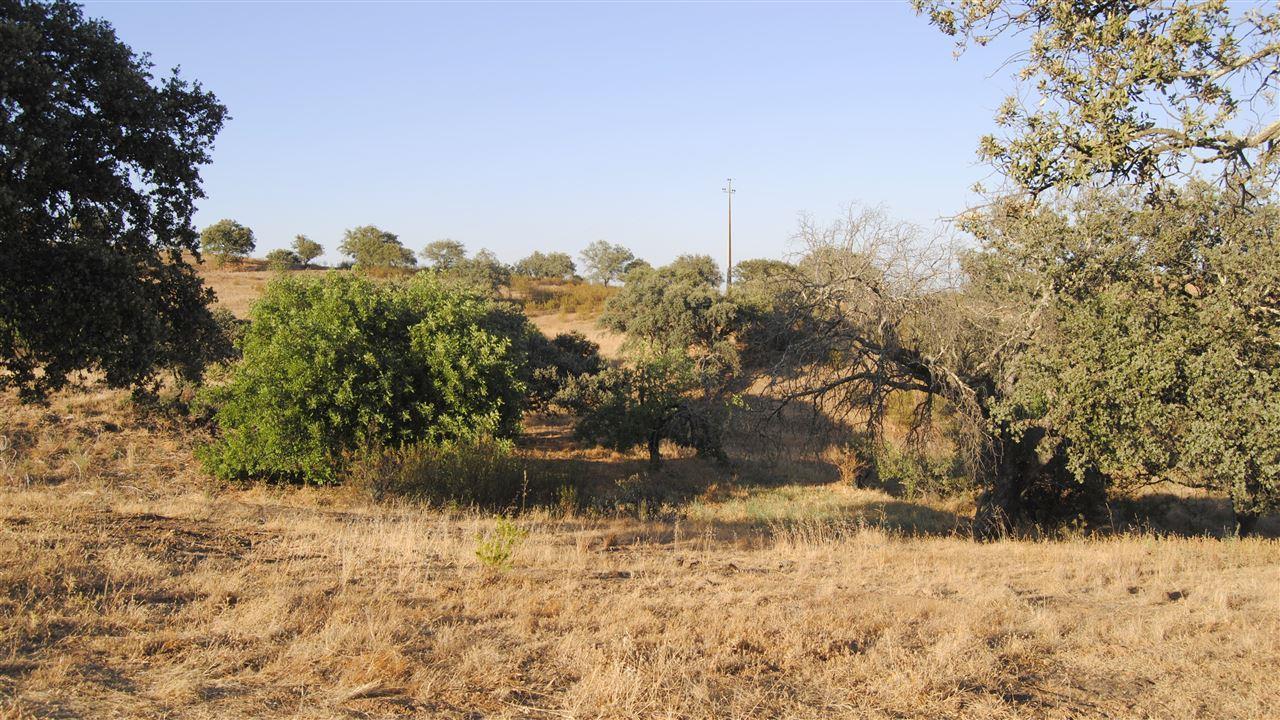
283 259
680 361
605 262
554 265
444 254
483 271
372 247
1132 92
226 240
98 182
307 249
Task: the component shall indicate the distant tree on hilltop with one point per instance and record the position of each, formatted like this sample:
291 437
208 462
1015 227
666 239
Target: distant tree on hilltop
307 249
227 240
372 247
444 254
555 265
605 262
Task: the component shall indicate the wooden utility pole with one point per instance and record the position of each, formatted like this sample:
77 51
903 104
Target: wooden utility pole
728 273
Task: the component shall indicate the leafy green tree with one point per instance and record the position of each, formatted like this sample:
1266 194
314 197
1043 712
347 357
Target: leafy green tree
760 270
636 264
307 249
282 259
227 240
1129 92
678 306
1159 357
337 364
371 247
681 362
554 265
99 174
605 262
484 271
641 403
445 254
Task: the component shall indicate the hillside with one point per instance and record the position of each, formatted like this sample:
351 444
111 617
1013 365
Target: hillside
134 586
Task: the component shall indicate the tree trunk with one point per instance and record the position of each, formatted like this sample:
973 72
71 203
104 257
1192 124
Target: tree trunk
999 505
655 459
1246 523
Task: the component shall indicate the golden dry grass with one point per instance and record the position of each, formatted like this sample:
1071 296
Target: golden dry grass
131 587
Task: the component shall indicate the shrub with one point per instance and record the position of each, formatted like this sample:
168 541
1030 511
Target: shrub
498 547
335 364
483 272
546 296
912 473
281 259
473 471
553 362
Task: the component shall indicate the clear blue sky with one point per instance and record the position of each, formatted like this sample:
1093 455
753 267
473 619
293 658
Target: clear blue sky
522 126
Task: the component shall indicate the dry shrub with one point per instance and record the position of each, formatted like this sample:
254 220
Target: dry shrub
484 471
545 295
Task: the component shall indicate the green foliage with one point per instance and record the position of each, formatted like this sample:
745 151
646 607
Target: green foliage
281 259
483 272
98 183
227 240
307 249
497 547
675 306
553 362
642 403
371 247
338 363
444 254
605 262
223 347
681 361
760 271
555 266
1160 358
478 470
913 473
1129 92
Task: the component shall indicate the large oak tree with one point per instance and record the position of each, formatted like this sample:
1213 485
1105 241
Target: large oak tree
99 175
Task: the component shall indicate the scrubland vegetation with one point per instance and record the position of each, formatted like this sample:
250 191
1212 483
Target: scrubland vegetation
1028 467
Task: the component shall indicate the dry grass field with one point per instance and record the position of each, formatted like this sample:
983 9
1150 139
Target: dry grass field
132 586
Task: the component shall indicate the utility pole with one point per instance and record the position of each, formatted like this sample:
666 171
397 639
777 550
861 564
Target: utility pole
728 273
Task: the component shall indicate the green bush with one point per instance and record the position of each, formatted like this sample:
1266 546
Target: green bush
912 473
337 364
497 548
552 362
281 260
